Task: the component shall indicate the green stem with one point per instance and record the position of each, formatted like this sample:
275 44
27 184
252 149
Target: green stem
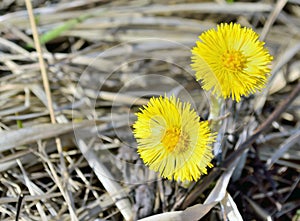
58 31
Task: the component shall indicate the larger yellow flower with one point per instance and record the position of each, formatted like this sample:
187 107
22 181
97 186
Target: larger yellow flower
231 61
172 141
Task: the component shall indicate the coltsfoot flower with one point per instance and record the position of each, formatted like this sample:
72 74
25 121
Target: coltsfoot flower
231 61
172 141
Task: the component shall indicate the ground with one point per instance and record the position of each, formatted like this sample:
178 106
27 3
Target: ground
75 158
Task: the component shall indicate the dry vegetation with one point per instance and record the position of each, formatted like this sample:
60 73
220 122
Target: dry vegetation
103 60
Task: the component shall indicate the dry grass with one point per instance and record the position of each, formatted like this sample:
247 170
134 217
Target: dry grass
75 159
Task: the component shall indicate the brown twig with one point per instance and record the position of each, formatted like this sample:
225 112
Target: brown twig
194 194
275 114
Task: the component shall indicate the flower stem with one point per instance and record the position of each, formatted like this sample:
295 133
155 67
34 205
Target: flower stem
215 119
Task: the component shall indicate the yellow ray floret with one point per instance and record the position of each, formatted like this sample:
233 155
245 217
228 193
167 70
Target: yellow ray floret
231 61
172 141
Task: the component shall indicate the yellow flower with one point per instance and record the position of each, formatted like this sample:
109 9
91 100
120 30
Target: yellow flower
231 61
172 141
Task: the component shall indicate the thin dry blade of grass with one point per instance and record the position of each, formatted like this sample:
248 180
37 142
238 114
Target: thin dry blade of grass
283 148
64 188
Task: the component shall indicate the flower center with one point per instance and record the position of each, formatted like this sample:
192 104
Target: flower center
175 139
234 60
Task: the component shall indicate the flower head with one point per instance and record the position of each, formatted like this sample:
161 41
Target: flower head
231 61
172 141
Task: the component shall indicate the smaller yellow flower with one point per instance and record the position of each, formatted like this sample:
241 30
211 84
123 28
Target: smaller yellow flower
172 141
231 61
